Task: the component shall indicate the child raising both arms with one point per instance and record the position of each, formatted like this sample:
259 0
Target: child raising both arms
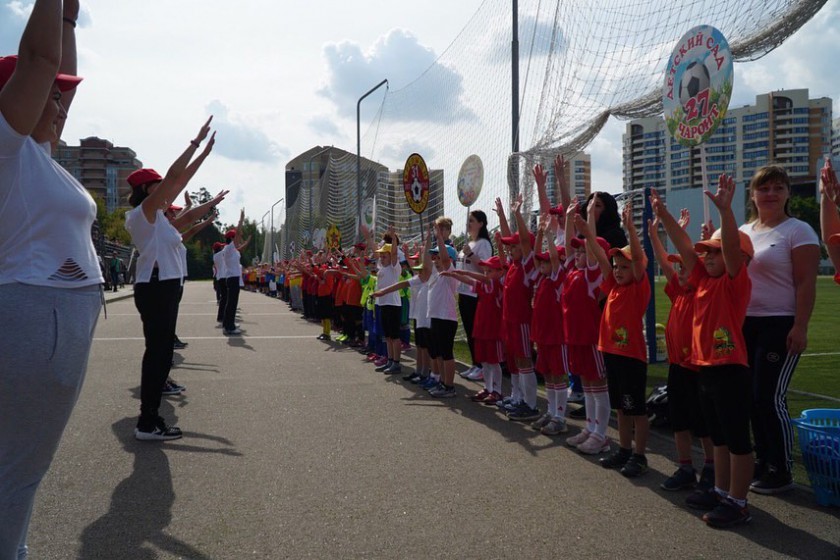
719 350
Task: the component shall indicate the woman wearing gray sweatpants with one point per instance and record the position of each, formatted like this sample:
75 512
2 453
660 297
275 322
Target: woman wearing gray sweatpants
50 281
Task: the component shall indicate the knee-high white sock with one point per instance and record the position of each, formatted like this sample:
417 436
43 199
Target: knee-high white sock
488 378
589 403
528 380
497 377
515 389
551 395
602 412
562 397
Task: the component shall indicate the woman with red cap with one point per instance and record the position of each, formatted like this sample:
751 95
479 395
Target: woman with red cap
50 281
232 260
160 272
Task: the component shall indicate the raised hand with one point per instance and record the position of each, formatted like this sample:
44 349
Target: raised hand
627 213
540 175
204 131
685 218
187 200
499 209
706 230
828 182
583 226
722 199
516 204
209 147
572 210
656 204
559 167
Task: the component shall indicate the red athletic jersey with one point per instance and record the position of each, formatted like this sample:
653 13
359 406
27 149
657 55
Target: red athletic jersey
547 322
325 288
519 289
353 292
678 329
581 313
488 312
340 288
720 306
623 318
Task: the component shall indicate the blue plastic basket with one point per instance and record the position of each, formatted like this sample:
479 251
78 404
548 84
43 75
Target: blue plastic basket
819 439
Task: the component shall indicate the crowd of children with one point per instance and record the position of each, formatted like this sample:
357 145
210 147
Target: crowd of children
555 302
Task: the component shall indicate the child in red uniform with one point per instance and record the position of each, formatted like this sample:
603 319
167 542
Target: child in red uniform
718 348
581 319
488 348
547 330
684 411
621 342
516 314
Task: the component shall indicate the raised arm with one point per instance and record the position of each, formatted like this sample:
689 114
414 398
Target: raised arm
540 178
636 251
238 239
69 65
829 217
730 242
560 177
571 212
503 223
468 277
427 257
551 230
189 216
190 233
244 243
500 247
521 226
659 252
23 98
392 288
678 235
594 252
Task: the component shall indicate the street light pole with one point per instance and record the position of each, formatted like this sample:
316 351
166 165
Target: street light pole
272 228
309 162
262 222
359 158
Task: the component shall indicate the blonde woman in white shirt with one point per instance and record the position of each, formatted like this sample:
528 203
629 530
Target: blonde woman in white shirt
159 276
50 280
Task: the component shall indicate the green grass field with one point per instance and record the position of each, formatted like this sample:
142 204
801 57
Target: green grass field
816 374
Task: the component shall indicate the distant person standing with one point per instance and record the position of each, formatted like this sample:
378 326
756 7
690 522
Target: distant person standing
50 280
232 259
115 269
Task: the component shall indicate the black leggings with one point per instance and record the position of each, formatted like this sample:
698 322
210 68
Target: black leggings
157 302
232 284
467 306
772 368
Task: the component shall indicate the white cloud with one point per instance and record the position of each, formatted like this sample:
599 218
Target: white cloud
240 141
325 126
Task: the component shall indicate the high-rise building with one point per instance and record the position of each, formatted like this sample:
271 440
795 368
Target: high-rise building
101 168
784 127
578 177
835 137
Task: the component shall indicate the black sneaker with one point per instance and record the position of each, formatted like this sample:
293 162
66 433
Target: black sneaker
772 482
171 389
703 499
420 379
524 413
617 459
411 377
707 478
727 514
578 414
179 344
680 480
160 432
635 466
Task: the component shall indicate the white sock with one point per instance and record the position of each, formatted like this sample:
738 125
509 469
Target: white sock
515 389
494 373
488 379
589 403
602 413
528 380
551 395
562 398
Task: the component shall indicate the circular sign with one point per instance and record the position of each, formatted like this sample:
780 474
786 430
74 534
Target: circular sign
470 180
698 85
416 183
368 213
319 238
334 237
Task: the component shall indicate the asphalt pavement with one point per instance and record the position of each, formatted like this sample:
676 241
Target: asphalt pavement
295 448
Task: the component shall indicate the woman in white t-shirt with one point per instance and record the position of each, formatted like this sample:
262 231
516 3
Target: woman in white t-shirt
232 266
50 280
160 274
784 275
477 249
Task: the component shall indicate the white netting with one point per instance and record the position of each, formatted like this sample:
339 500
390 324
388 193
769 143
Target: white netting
581 61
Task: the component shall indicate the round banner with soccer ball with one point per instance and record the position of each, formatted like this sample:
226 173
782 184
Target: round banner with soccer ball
470 180
698 85
416 183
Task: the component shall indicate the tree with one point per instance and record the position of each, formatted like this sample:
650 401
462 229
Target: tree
807 209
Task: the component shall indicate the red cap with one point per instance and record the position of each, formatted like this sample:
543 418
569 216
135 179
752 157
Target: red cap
218 245
834 239
492 262
675 259
360 246
542 256
65 82
714 242
514 239
230 234
580 242
557 210
142 177
175 208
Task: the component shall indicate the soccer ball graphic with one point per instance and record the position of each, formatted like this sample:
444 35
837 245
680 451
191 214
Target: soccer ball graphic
416 190
695 79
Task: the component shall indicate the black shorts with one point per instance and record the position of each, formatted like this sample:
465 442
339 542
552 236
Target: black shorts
324 307
422 337
626 384
391 320
442 339
684 401
726 398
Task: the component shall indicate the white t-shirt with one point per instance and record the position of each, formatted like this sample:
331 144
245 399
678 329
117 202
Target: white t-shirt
233 261
182 250
481 251
419 304
157 244
219 261
45 218
771 269
442 290
385 277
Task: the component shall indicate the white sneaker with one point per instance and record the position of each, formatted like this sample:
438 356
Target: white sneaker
575 397
466 373
574 441
233 332
477 375
594 445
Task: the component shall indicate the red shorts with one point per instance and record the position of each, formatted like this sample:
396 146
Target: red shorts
488 351
586 361
552 359
517 339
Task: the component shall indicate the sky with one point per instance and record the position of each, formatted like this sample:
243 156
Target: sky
280 77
